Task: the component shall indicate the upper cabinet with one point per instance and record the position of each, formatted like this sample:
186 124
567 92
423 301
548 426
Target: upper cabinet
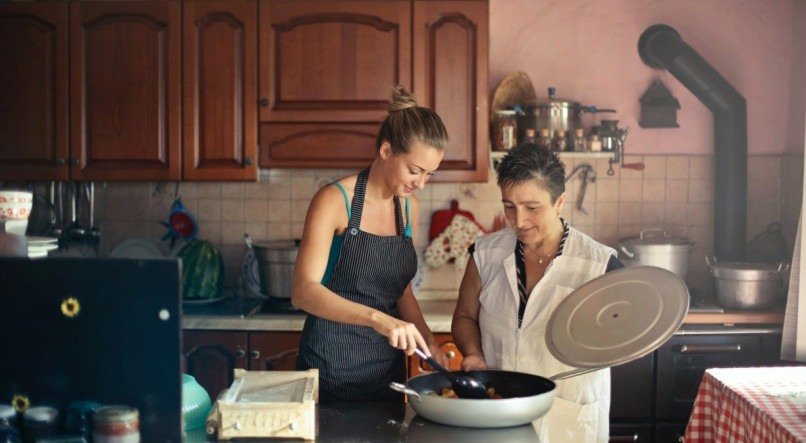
33 91
327 69
450 77
219 90
125 90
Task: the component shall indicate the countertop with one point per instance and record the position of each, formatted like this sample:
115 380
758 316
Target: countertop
438 315
389 422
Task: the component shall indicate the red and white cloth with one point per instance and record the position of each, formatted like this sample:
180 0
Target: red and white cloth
750 405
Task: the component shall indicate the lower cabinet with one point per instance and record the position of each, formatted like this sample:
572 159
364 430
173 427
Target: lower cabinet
211 356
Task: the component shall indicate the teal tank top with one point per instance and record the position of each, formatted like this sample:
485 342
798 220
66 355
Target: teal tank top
335 247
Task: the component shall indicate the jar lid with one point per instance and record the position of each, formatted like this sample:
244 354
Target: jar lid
115 414
41 414
7 411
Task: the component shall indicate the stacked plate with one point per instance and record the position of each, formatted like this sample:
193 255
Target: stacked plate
39 246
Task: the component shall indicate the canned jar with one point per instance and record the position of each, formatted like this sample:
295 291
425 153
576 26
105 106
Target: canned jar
504 130
8 416
116 424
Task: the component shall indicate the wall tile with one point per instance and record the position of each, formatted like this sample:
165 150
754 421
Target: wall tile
675 214
232 210
700 191
257 210
606 190
209 190
256 190
209 210
232 233
654 166
607 214
763 167
279 231
653 190
676 191
677 166
280 211
630 190
232 190
701 167
210 231
652 214
630 213
699 214
299 208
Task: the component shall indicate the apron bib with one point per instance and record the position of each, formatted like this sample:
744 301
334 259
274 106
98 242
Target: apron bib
356 363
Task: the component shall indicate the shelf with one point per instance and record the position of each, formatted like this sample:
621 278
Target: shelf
496 155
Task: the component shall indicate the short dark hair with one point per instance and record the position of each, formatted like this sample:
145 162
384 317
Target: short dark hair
527 162
407 122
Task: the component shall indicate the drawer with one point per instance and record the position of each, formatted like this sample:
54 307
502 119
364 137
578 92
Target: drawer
630 432
631 389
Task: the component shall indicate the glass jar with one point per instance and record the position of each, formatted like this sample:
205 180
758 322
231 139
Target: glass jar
529 136
595 144
116 424
544 139
579 143
8 416
559 143
504 130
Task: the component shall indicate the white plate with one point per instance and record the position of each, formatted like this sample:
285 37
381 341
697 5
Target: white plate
251 275
41 240
41 247
617 317
136 248
204 302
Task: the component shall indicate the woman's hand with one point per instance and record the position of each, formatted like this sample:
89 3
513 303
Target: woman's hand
473 362
438 355
402 335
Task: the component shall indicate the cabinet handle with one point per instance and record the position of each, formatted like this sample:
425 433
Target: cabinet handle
255 355
691 349
450 355
240 353
248 161
264 102
60 161
74 161
633 437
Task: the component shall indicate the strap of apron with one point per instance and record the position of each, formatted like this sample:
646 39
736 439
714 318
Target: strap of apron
357 207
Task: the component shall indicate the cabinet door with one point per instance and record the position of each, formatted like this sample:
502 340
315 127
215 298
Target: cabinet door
631 386
33 90
683 360
629 432
273 351
219 90
211 356
446 344
325 62
125 90
450 76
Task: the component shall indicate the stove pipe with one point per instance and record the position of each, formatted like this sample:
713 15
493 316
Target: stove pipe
661 47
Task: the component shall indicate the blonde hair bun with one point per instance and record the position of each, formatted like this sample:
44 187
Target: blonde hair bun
401 99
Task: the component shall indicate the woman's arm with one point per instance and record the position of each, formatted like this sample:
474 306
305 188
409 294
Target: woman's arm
465 325
325 213
410 311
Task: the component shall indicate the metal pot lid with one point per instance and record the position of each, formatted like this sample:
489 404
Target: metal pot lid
617 317
655 237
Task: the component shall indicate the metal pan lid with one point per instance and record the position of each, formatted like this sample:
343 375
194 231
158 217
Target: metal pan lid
618 317
655 237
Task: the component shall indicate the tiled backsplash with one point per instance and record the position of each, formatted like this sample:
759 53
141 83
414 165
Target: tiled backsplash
672 192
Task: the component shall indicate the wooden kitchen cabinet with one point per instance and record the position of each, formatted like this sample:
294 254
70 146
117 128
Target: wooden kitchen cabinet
219 90
211 356
125 102
451 53
327 68
416 366
33 90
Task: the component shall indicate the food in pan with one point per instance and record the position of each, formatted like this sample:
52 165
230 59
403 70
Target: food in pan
449 393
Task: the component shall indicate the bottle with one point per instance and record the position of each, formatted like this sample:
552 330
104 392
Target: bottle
595 144
579 143
560 142
529 136
544 140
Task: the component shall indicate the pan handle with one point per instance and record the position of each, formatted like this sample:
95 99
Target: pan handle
572 373
400 387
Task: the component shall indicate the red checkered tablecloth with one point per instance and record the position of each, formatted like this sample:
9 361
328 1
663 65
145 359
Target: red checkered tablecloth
750 405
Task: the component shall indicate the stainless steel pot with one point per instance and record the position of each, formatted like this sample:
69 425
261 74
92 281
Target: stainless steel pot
742 285
653 247
276 265
554 114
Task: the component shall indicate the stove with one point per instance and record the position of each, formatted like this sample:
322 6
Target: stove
275 305
700 301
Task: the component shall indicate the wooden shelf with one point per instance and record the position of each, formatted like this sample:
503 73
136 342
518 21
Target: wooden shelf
495 155
736 317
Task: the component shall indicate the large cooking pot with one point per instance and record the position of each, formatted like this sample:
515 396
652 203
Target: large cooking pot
653 247
276 265
742 285
554 114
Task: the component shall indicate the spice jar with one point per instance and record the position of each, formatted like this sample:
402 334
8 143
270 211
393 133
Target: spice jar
579 143
504 130
40 422
116 424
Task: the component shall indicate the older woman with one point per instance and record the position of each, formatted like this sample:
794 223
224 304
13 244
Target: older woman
517 276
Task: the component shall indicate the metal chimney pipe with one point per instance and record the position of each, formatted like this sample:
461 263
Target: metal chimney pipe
661 47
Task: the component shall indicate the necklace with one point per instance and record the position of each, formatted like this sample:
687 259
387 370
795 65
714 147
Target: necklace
540 258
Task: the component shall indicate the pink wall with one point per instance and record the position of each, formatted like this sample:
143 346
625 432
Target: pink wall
588 50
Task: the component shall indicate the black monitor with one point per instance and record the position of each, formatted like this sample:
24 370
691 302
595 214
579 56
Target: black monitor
108 330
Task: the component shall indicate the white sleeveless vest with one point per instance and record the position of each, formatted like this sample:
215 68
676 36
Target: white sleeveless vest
582 403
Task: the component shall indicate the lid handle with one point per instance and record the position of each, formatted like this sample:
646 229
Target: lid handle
627 252
652 230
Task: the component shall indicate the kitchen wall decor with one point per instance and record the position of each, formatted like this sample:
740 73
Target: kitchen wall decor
658 107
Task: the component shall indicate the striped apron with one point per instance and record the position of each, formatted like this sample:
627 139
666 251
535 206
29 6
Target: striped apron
356 363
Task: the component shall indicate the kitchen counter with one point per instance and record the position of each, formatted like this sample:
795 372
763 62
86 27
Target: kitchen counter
389 422
438 315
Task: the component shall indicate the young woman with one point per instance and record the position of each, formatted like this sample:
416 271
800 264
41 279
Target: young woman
356 261
513 280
